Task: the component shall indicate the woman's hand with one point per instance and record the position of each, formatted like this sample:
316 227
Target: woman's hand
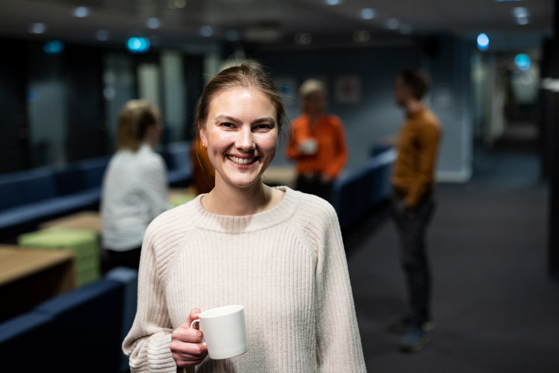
186 343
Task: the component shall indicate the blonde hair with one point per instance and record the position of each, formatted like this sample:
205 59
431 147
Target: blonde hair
133 121
310 86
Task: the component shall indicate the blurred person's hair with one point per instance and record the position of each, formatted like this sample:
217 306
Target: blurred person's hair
417 81
247 76
134 119
310 86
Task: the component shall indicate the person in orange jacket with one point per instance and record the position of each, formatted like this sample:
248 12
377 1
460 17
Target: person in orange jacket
317 143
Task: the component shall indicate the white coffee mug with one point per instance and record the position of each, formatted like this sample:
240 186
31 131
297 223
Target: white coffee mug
224 331
309 146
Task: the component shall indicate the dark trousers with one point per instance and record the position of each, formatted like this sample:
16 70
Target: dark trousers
411 226
111 259
312 184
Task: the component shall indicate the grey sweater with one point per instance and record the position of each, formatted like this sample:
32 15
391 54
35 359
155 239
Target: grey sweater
286 266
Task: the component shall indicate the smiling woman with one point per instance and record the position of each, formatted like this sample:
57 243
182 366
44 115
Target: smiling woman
241 136
275 251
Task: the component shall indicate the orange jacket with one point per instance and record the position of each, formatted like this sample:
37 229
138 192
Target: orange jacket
417 144
331 154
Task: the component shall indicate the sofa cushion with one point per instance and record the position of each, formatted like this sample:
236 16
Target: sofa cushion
23 340
88 324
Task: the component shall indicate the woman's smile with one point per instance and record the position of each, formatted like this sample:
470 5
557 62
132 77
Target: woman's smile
242 161
241 134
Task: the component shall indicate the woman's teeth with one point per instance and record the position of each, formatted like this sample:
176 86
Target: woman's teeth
241 160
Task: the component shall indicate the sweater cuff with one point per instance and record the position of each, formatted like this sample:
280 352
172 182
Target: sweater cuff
160 357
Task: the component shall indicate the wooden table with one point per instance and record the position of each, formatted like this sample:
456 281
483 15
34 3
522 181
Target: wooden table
85 220
29 277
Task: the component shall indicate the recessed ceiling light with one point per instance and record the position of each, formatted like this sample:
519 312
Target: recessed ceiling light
303 38
522 61
405 28
520 11
102 35
367 13
361 36
81 12
206 31
37 28
180 3
138 45
482 41
333 2
233 35
393 24
53 47
153 23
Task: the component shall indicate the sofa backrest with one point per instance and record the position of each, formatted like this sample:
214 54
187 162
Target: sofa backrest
26 187
11 195
93 170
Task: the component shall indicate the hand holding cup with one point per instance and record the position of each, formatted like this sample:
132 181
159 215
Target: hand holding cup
187 343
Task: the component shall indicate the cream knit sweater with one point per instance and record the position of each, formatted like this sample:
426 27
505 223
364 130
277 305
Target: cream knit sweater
286 266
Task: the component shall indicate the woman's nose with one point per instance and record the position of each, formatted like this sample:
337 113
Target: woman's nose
245 140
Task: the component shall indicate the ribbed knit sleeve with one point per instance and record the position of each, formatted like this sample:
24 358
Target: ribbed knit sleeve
338 341
148 342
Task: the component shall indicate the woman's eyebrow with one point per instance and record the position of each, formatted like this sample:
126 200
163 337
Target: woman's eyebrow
229 118
264 120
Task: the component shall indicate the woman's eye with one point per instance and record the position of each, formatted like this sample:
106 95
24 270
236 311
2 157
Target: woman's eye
262 127
227 124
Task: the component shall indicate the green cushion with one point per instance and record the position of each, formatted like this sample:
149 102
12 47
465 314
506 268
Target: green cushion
180 199
84 244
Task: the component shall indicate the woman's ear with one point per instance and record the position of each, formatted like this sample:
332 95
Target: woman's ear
202 132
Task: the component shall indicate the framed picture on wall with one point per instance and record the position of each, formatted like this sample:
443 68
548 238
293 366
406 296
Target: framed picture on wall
288 90
347 89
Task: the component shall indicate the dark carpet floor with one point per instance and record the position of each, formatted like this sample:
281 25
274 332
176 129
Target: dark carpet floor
494 305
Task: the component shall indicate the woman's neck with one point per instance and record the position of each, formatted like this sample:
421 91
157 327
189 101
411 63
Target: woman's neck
228 200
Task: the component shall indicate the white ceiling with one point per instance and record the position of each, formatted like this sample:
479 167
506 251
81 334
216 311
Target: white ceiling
284 19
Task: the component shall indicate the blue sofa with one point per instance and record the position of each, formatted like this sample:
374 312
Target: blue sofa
356 194
79 331
28 198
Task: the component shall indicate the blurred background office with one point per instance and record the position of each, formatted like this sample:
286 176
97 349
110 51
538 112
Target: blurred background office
68 66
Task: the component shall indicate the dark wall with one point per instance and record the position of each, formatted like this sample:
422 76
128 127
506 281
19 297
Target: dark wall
14 140
194 82
549 104
86 111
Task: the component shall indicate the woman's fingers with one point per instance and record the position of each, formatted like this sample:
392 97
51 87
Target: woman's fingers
188 352
185 333
193 316
186 343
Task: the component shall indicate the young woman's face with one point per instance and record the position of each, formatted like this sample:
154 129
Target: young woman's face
241 134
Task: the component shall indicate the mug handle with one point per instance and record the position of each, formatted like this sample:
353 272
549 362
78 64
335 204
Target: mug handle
192 325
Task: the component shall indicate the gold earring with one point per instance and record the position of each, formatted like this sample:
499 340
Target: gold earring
204 146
